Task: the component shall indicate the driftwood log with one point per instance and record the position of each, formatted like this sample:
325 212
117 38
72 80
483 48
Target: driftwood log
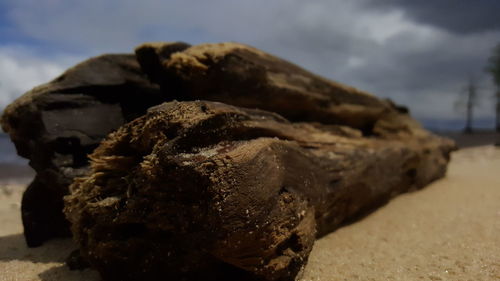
240 75
207 191
57 124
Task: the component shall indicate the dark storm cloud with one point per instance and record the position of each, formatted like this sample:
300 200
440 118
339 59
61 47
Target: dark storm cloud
418 65
460 16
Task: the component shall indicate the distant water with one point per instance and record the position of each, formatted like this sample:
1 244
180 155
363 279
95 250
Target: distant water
13 169
457 125
8 152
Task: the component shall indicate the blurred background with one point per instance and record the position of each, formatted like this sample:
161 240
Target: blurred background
428 55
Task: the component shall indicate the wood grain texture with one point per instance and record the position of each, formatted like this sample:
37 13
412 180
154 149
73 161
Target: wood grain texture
231 192
244 76
57 124
202 189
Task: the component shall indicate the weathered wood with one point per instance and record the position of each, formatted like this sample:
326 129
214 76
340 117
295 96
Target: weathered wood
208 191
202 190
241 75
57 124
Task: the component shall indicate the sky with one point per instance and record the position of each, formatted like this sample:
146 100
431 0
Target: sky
417 53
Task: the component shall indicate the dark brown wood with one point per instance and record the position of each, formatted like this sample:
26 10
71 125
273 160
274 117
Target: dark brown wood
204 190
241 75
57 124
207 191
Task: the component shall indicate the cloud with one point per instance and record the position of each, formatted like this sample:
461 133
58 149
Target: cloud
426 72
458 16
21 69
416 52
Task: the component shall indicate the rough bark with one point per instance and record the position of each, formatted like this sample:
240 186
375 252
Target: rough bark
200 190
57 124
241 75
207 191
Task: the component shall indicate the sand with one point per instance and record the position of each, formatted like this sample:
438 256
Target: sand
448 231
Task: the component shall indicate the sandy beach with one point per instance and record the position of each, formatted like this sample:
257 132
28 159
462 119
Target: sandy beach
448 231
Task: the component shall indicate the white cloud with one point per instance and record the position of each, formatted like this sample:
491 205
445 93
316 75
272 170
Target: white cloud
22 69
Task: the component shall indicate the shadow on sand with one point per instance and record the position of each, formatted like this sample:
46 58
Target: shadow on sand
13 247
